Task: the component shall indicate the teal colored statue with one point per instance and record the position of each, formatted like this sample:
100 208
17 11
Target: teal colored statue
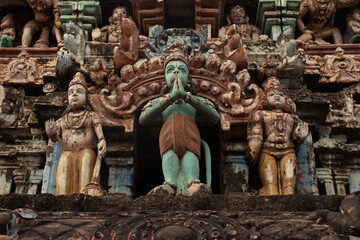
179 139
7 33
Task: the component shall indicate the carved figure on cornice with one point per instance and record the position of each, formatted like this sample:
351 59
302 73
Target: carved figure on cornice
272 134
238 22
75 41
213 63
160 40
98 74
237 97
227 69
77 132
122 30
179 138
292 57
345 113
22 69
340 67
47 19
156 63
127 73
319 23
352 33
7 33
269 67
233 50
11 106
197 59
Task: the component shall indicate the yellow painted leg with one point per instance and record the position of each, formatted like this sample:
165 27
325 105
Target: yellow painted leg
288 173
87 159
268 175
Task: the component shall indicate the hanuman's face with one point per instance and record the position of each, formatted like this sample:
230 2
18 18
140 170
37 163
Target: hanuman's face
276 99
176 70
77 97
119 13
238 15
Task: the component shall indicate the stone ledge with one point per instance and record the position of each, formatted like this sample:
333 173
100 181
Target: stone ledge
121 202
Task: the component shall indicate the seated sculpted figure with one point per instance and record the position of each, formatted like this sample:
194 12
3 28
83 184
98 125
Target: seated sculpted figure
238 22
319 21
123 31
273 133
47 20
77 131
7 33
114 33
179 138
352 34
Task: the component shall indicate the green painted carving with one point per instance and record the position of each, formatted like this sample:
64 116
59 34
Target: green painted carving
272 14
86 13
179 138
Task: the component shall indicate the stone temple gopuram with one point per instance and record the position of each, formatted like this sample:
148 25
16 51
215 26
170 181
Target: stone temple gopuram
180 119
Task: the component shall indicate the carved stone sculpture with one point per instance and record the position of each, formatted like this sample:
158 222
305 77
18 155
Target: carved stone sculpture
122 30
269 67
160 40
47 19
11 109
353 27
340 68
273 133
22 69
319 21
97 73
7 33
238 22
77 131
179 138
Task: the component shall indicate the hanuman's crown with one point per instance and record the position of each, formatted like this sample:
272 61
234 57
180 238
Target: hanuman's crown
177 51
272 84
78 79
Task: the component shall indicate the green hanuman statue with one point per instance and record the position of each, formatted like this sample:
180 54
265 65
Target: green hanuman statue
179 139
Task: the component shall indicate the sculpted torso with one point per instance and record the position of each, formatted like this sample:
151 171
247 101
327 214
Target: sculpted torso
180 108
321 15
278 127
42 9
76 139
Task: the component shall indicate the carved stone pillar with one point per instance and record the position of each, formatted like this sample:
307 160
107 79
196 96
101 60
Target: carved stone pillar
8 164
27 181
354 180
341 180
325 177
35 178
20 176
5 180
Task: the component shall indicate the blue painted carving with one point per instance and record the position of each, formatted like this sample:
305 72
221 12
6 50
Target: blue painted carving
305 167
120 174
159 40
49 174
